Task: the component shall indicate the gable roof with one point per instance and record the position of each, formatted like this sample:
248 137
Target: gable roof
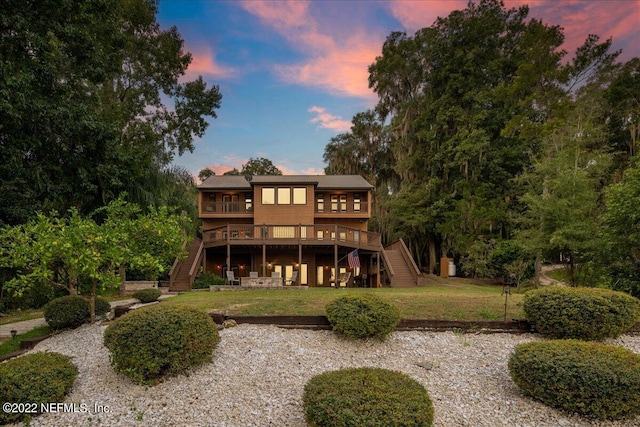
321 182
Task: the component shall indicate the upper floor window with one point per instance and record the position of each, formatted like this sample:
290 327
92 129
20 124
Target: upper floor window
268 196
320 202
356 202
284 196
300 196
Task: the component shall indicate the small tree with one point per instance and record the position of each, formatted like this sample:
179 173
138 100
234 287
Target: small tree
84 256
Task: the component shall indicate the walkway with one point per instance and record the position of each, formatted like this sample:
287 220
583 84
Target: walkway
27 325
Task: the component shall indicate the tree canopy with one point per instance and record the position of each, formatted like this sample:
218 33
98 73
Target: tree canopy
486 131
92 103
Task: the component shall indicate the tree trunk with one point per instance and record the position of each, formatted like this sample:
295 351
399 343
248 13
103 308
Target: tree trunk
92 303
432 255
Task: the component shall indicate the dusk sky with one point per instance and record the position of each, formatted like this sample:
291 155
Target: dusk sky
293 73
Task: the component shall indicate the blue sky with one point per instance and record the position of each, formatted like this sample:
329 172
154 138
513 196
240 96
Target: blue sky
293 73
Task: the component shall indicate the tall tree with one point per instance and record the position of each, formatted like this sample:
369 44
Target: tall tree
257 166
452 93
82 111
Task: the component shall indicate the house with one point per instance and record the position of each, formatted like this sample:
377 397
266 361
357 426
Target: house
276 225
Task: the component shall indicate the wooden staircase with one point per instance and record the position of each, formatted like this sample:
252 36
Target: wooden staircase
403 272
183 272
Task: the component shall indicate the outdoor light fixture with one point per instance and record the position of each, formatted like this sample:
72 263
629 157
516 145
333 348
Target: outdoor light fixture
14 333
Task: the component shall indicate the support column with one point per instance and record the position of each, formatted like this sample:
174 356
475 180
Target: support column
299 264
335 262
378 272
264 260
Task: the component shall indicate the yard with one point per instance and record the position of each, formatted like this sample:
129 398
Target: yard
453 299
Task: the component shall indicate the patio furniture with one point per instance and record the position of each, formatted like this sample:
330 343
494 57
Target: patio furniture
291 280
232 279
344 278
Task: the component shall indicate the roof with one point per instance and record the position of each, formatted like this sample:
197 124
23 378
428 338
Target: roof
321 182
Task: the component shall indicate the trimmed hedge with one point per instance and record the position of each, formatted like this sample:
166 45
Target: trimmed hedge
161 340
102 306
581 313
371 397
362 316
66 312
71 311
589 378
147 295
35 378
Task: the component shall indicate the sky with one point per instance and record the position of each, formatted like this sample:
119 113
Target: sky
293 73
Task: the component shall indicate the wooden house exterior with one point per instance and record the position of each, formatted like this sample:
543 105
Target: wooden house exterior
286 223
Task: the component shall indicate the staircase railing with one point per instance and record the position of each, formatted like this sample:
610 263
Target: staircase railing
387 263
196 262
413 268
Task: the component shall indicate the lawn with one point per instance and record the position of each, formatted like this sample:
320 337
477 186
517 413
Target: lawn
12 345
454 300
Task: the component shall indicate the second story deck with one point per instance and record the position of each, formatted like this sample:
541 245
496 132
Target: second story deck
316 234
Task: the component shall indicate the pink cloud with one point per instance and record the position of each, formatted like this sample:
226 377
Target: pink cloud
337 58
415 15
204 62
619 19
328 121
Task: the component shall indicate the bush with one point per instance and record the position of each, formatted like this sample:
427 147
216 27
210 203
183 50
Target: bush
362 316
369 397
592 379
206 279
581 313
35 378
72 311
161 340
102 306
67 312
147 295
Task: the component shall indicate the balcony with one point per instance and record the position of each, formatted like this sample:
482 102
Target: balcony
319 234
226 209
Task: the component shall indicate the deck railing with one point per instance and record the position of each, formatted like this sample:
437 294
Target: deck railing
318 233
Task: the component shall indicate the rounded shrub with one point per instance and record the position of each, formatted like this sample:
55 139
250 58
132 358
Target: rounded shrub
35 378
102 306
161 340
67 312
362 316
589 378
369 397
581 313
147 295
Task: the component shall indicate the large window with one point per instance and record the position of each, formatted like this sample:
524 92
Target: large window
300 196
320 202
268 196
284 196
356 202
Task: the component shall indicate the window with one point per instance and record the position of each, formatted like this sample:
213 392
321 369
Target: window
343 203
248 202
334 203
356 202
303 274
319 234
268 196
284 196
284 232
320 275
300 196
320 202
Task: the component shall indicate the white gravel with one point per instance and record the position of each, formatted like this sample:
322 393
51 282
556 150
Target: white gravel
259 372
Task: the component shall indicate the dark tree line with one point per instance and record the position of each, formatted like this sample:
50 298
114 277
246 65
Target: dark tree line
91 106
489 139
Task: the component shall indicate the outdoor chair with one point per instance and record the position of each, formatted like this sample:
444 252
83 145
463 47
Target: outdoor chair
291 280
344 278
232 279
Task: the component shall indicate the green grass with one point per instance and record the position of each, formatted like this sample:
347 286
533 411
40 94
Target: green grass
19 316
449 301
12 345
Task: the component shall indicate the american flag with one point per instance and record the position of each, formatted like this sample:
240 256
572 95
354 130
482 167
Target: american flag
353 259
